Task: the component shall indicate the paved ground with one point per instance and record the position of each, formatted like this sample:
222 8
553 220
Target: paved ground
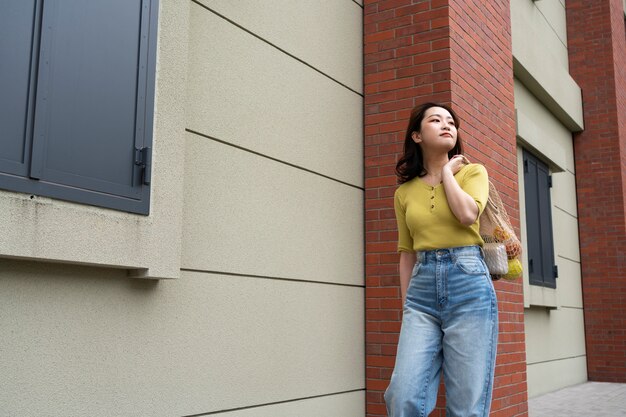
591 399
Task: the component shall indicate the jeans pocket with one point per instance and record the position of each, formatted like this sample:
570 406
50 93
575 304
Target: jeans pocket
416 269
470 265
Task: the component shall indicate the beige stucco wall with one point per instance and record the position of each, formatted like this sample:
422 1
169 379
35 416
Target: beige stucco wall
273 191
540 58
83 341
555 340
263 228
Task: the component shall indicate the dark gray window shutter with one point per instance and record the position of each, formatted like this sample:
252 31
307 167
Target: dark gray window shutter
77 114
19 35
545 225
90 113
539 222
532 220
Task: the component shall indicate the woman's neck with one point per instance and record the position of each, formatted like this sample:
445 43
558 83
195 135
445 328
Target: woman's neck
434 164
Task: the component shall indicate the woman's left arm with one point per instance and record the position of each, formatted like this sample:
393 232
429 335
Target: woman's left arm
463 205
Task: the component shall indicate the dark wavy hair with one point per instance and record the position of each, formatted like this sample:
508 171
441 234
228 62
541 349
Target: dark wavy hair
411 164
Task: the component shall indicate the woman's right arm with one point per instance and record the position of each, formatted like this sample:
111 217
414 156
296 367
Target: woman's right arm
407 262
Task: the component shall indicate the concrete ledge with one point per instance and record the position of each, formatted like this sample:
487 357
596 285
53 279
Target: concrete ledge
555 89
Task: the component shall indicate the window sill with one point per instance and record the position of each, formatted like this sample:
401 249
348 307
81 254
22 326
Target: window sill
44 229
542 297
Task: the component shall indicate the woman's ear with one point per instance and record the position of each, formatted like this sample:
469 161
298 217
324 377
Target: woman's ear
416 137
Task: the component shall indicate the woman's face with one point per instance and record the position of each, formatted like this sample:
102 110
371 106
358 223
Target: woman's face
437 132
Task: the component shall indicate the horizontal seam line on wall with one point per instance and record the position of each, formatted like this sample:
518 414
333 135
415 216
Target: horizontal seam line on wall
357 3
274 403
235 274
556 360
566 212
275 46
568 259
274 159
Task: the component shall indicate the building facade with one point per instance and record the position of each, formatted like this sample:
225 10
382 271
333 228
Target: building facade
197 200
540 89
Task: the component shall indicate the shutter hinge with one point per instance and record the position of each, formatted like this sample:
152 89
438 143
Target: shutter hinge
143 159
526 166
555 270
549 181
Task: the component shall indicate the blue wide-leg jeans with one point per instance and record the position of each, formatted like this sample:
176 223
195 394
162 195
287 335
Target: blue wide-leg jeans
449 324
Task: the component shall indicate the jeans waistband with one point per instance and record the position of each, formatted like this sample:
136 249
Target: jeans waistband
451 253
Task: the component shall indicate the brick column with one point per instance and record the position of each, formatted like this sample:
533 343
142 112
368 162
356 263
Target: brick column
597 57
458 53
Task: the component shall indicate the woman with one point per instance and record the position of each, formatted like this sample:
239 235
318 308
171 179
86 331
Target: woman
450 317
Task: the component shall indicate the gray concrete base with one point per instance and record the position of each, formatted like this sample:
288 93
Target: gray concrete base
597 399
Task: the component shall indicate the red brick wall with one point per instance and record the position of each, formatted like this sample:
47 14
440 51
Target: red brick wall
459 53
597 55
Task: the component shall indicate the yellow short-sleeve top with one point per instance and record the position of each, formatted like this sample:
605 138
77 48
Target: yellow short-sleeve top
425 221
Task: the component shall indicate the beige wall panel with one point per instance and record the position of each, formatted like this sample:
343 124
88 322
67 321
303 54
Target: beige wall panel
351 404
245 92
564 192
545 69
85 341
327 34
540 23
553 334
540 129
250 215
565 235
553 12
551 376
569 283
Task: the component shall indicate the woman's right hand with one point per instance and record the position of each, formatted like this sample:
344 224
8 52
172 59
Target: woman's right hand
456 163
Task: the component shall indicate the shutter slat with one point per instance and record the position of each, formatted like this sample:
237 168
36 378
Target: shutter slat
18 45
545 225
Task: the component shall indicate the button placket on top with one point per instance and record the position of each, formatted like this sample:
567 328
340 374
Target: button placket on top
432 198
